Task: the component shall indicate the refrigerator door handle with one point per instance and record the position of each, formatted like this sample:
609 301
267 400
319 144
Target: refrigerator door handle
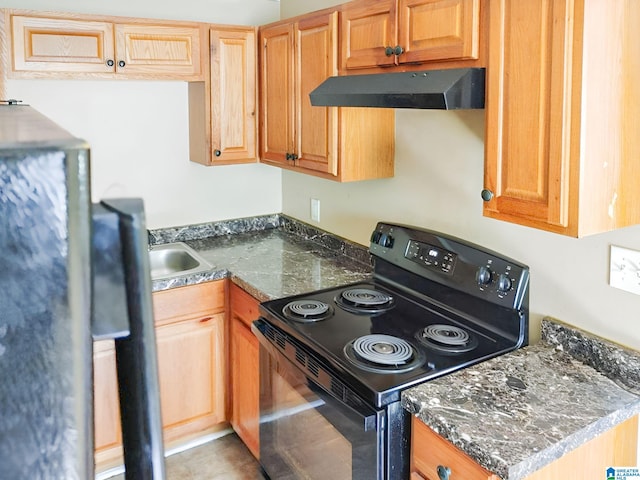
123 310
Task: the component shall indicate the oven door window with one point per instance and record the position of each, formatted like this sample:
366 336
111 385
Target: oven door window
306 433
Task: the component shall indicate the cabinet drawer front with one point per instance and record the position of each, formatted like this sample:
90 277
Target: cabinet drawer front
188 302
59 45
161 49
243 306
429 450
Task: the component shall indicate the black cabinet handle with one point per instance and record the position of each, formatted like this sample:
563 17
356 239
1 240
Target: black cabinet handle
288 156
398 50
121 63
388 51
217 152
443 472
486 194
110 63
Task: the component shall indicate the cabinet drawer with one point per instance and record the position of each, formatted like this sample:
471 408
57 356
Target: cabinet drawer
429 450
243 306
189 302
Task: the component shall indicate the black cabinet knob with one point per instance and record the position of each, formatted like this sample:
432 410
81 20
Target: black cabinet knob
288 156
121 63
398 50
217 152
110 63
443 472
486 194
388 51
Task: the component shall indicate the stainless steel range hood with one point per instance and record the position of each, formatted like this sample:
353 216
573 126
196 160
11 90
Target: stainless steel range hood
430 89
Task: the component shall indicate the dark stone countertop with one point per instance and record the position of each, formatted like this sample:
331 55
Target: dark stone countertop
516 413
270 262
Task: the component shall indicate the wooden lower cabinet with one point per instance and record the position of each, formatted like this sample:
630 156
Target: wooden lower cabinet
190 338
108 435
617 447
244 362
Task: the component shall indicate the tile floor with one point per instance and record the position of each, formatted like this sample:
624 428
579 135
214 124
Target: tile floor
225 458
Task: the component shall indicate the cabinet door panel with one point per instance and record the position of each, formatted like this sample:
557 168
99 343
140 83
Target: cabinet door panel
277 101
156 48
528 131
245 363
107 434
190 355
367 28
233 95
429 450
438 29
317 126
61 45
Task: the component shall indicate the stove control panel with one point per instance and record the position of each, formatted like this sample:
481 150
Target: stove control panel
431 256
450 261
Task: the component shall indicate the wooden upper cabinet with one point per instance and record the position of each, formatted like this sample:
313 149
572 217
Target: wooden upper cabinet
561 152
344 144
277 101
43 44
67 45
158 49
316 60
402 32
222 109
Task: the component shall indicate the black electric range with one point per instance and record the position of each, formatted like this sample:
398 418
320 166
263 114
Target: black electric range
434 304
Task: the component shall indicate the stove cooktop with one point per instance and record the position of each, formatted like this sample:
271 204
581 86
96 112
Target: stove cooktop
396 333
435 304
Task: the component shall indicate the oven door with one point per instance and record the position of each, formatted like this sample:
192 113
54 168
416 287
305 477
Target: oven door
311 425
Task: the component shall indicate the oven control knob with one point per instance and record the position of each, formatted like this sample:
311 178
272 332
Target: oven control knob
386 240
375 236
504 283
484 276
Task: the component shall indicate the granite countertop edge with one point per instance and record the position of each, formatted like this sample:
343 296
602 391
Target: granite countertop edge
559 342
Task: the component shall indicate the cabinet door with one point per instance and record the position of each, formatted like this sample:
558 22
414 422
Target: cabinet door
191 369
430 451
245 358
245 362
233 95
41 44
316 60
529 100
107 430
277 94
367 29
431 30
158 49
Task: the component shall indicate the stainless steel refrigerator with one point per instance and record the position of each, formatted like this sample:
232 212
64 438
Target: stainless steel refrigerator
70 272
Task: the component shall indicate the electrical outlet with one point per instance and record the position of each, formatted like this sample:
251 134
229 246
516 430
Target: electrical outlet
624 272
315 209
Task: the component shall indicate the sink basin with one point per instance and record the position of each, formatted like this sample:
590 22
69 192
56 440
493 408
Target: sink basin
174 259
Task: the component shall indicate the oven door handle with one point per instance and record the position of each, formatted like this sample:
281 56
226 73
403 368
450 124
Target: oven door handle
371 419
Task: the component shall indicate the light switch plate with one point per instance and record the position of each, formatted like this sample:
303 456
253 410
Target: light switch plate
624 271
315 209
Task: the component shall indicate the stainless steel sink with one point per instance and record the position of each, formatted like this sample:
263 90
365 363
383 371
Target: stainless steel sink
175 259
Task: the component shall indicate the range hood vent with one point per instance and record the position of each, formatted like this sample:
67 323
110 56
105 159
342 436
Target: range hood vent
459 88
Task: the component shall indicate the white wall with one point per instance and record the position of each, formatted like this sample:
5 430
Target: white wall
439 174
138 130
